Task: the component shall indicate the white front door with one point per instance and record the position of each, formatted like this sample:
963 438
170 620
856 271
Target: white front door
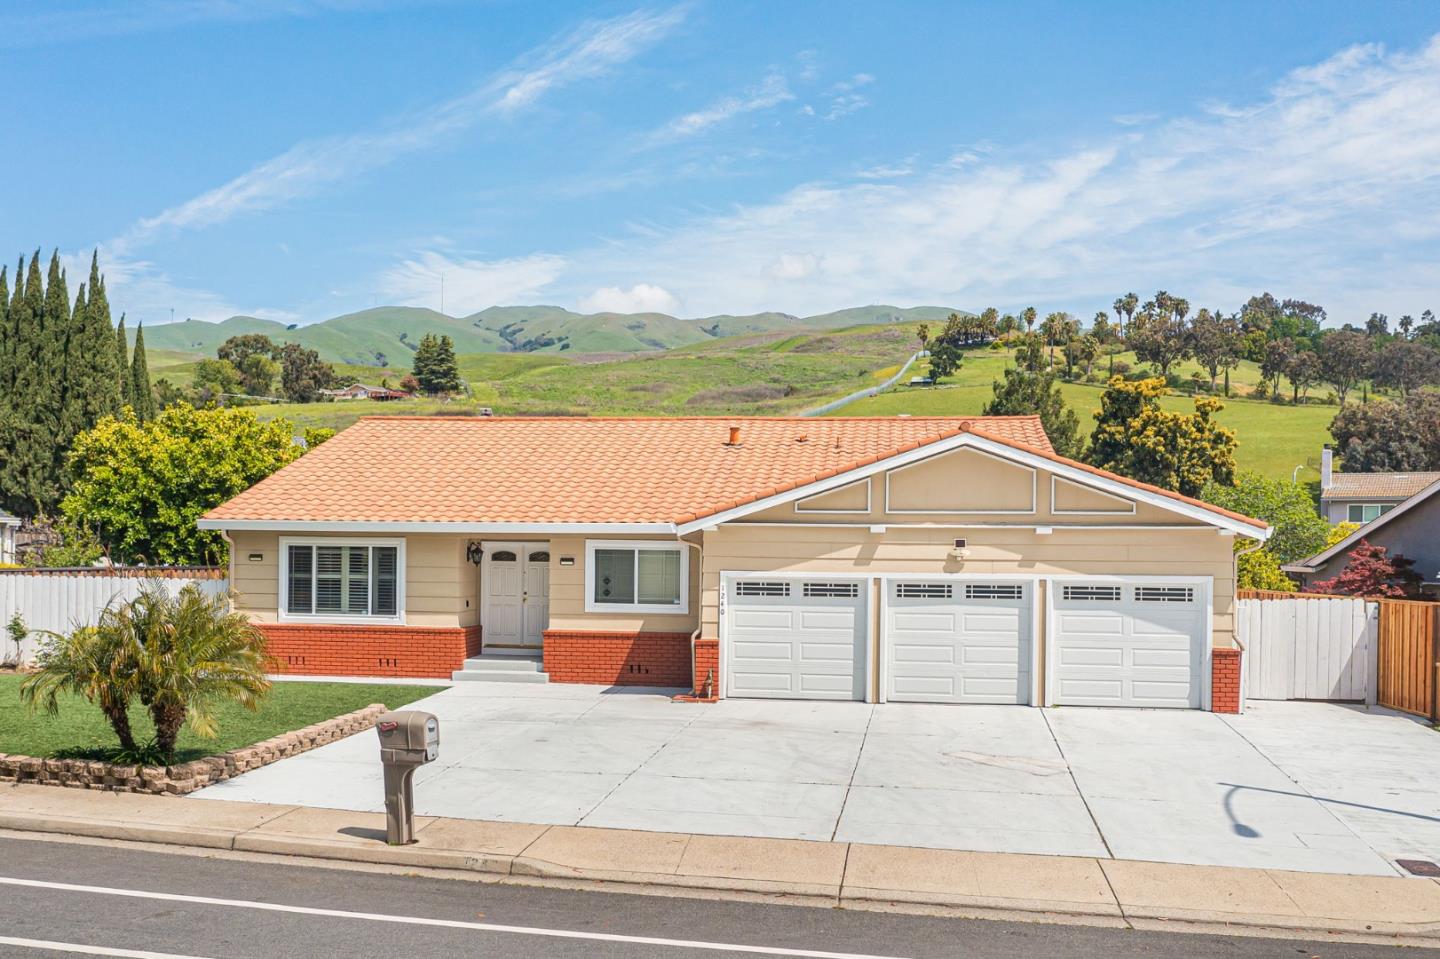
515 591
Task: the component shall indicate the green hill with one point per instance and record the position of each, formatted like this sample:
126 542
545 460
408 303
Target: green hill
387 335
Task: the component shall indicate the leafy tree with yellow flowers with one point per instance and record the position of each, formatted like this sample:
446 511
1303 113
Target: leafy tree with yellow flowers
142 484
1135 437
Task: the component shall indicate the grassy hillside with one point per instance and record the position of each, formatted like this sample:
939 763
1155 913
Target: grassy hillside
1273 439
386 336
764 373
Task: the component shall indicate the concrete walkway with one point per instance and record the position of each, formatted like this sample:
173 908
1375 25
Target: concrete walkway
853 875
1295 786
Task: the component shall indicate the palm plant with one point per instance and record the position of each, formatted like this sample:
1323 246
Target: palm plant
179 656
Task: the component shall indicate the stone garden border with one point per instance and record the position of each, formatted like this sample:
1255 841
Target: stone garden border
185 777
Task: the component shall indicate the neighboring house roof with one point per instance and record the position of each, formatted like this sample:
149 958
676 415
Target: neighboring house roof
645 470
1377 486
1367 531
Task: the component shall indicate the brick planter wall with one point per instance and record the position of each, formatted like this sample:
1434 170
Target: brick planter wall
1225 680
407 652
617 659
707 659
185 777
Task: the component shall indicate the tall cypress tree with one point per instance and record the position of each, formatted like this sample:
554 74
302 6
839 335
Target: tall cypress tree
27 483
104 388
122 360
140 378
5 344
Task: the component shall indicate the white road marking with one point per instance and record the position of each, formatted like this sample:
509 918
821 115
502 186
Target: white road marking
423 921
85 950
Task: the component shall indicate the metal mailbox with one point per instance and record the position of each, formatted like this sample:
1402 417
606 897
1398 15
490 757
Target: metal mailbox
408 740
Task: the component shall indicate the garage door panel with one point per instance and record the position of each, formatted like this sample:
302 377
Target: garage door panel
797 639
1129 644
957 641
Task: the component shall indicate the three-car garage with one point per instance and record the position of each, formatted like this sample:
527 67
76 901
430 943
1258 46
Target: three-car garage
952 638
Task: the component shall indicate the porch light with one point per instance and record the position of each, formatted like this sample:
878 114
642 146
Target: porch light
475 552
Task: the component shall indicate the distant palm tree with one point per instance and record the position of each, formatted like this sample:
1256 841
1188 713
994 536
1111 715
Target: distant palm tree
1027 316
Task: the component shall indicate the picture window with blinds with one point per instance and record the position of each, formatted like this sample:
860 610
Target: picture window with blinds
773 588
342 580
994 591
831 590
636 577
923 590
1092 594
1164 594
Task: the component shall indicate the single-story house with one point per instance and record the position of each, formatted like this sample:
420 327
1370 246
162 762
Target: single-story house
917 559
360 391
8 527
1410 529
1362 497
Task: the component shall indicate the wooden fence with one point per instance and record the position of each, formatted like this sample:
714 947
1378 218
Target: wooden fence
1323 648
59 600
1409 657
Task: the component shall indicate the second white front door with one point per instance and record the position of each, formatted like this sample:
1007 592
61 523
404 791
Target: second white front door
515 586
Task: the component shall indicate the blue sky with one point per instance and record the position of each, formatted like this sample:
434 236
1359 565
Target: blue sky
298 159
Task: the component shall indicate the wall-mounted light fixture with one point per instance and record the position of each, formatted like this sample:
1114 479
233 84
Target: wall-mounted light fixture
474 552
567 561
256 557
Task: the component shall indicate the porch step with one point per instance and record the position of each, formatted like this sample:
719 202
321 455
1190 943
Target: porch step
499 668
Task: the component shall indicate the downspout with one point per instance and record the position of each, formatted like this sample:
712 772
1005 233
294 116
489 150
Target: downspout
695 681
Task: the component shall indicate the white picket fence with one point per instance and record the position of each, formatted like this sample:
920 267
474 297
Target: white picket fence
61 600
1305 648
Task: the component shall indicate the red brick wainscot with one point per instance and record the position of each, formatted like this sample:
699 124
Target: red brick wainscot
1225 680
406 652
617 658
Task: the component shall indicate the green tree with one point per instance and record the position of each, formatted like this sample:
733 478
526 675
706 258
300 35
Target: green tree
140 378
1215 340
436 369
1299 529
1030 390
1346 358
303 374
1383 436
1177 451
28 485
122 361
1159 335
179 656
143 485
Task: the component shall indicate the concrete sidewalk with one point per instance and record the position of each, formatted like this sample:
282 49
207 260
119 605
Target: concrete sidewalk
850 875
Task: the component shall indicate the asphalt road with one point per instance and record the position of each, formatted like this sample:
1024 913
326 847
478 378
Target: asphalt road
61 898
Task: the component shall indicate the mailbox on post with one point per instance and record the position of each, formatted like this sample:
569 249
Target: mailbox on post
408 739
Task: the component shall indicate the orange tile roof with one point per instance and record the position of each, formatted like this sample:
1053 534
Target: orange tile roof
581 470
404 469
1393 486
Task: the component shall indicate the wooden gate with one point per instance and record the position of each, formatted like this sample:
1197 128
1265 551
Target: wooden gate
1409 658
1301 646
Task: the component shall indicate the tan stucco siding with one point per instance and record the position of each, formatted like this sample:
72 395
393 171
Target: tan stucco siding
441 589
1023 552
567 594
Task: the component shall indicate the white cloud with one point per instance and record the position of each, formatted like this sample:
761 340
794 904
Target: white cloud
640 298
769 92
844 100
312 165
470 285
1304 191
794 266
1135 119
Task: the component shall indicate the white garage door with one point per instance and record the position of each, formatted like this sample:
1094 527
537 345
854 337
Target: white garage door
796 638
957 642
1128 644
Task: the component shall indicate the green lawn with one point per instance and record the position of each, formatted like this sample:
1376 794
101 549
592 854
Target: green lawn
1273 439
80 731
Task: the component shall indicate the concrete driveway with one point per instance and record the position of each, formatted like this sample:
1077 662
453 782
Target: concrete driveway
1300 786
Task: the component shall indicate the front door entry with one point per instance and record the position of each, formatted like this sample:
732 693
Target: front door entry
515 592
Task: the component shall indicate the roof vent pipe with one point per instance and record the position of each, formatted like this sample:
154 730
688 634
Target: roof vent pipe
1327 468
734 439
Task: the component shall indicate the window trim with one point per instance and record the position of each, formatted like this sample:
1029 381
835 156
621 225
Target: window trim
282 594
1380 510
672 546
